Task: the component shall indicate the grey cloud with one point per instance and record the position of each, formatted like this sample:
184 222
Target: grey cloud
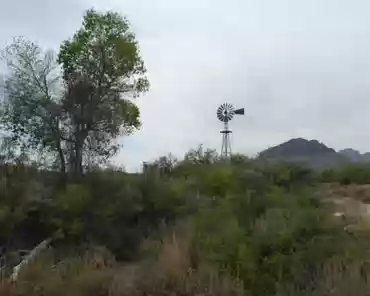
47 22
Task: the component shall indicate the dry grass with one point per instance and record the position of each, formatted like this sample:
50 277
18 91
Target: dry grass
351 202
170 272
337 279
6 289
353 191
87 275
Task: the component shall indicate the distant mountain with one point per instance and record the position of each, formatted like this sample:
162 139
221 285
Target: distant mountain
366 157
311 152
296 148
352 154
355 155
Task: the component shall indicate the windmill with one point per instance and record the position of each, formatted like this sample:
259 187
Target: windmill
225 113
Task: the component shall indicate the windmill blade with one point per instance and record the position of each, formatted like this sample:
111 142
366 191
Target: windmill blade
220 115
230 116
239 111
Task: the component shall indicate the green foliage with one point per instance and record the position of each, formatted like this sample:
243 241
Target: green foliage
264 236
105 50
23 210
289 174
101 63
31 88
354 173
219 181
260 223
75 117
201 156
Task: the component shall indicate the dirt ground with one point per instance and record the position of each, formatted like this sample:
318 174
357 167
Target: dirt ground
351 202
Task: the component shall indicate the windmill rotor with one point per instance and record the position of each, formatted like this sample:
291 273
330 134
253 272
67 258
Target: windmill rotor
225 112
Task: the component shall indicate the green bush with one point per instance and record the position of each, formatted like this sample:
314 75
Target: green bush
349 174
266 238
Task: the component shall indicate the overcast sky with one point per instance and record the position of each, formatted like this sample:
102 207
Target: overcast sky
301 68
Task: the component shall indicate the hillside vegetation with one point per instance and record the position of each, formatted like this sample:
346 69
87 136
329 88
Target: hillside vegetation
181 227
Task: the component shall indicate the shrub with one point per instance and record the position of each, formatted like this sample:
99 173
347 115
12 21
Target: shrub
268 238
76 275
335 278
354 173
171 272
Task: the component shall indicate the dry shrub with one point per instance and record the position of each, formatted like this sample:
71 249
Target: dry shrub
337 278
360 192
6 288
172 273
76 276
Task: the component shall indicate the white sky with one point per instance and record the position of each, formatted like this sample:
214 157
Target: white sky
301 68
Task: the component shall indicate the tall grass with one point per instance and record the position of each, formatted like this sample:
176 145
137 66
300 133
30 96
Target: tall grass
335 278
169 272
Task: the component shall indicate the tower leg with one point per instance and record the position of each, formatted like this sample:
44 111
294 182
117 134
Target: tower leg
226 145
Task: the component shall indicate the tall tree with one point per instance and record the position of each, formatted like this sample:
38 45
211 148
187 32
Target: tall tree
103 71
31 109
77 113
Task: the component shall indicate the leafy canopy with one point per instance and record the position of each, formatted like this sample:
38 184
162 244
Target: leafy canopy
75 105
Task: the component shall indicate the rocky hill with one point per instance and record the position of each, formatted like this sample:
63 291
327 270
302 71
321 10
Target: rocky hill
297 147
355 155
310 152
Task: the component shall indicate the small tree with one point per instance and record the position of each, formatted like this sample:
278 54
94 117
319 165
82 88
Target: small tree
201 156
31 109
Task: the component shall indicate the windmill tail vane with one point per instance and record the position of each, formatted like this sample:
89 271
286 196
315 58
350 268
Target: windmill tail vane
225 113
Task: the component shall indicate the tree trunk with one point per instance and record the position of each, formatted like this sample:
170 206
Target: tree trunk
78 158
80 138
62 160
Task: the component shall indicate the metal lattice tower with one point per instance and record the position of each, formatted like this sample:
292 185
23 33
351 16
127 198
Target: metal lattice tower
225 113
